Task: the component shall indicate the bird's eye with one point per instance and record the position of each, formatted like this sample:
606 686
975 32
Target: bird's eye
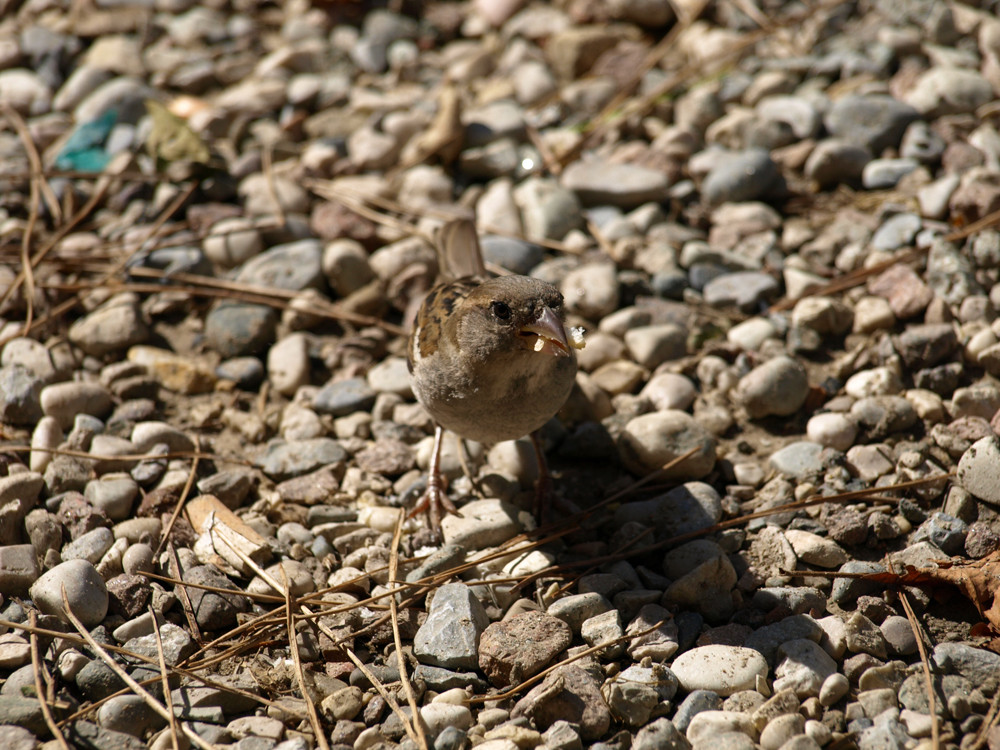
500 310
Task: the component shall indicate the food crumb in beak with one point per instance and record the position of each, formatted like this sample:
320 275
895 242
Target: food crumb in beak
575 337
539 343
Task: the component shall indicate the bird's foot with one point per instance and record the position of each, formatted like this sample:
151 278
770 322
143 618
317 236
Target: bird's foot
434 502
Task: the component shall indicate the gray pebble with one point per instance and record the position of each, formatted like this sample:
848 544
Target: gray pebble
138 559
65 400
18 569
90 546
246 372
236 329
284 460
112 327
778 387
746 290
232 241
835 161
20 395
85 591
344 397
882 174
596 182
743 176
874 121
114 494
450 636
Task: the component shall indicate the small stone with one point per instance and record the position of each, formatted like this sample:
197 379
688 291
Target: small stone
85 591
112 327
450 636
949 91
288 364
722 669
778 387
344 397
816 550
743 176
64 401
598 183
232 241
591 290
236 329
568 694
520 646
979 469
20 396
650 441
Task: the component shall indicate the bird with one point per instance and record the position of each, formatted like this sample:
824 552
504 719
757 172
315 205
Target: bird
490 358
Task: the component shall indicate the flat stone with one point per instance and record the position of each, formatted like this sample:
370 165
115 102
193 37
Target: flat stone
722 669
451 634
519 647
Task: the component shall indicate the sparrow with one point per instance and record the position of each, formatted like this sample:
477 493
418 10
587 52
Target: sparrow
489 358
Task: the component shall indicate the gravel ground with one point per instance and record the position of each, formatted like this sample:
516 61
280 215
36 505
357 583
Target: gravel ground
774 221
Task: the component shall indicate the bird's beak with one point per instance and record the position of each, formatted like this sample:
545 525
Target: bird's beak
546 334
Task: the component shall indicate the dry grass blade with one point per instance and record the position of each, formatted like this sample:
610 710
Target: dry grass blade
125 676
267 166
165 679
386 695
277 587
165 533
293 646
182 595
99 190
925 663
982 737
418 721
40 692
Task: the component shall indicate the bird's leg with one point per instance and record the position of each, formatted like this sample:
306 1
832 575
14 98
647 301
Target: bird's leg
543 485
435 499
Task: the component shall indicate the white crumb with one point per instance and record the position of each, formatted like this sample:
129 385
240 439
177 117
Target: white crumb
576 337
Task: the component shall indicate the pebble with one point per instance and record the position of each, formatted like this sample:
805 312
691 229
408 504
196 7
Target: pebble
723 670
450 636
832 430
232 241
650 441
236 329
592 290
288 364
344 397
85 591
776 388
20 395
521 646
748 291
743 176
627 185
63 401
803 666
979 469
112 327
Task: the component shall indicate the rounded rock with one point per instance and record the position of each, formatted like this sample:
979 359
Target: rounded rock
776 388
832 430
85 591
722 669
64 401
650 441
232 241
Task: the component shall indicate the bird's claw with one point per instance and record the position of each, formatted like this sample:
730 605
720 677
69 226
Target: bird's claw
433 502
